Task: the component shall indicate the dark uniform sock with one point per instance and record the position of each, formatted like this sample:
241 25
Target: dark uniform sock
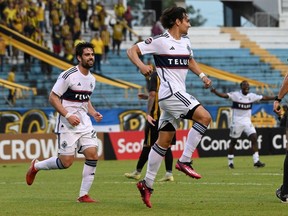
285 175
143 158
169 160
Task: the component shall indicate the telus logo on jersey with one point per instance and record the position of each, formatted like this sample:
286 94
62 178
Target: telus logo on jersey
76 95
244 106
169 61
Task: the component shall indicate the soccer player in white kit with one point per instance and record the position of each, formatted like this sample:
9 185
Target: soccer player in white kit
70 96
173 58
241 119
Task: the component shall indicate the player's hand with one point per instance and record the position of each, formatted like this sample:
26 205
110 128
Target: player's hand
277 108
142 96
74 120
212 89
207 82
146 70
151 120
98 116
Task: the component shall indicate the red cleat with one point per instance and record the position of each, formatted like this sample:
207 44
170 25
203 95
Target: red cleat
86 199
31 173
145 193
187 169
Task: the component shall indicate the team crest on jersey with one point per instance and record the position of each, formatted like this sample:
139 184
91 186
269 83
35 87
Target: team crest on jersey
188 48
64 144
148 40
91 85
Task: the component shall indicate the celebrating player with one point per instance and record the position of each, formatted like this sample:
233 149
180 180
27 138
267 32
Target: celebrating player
241 120
173 56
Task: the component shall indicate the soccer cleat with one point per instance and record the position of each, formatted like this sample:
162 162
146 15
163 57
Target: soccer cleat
31 173
167 178
134 175
231 166
145 192
259 164
86 199
186 168
283 198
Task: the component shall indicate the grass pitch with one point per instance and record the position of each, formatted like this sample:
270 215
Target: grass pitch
221 191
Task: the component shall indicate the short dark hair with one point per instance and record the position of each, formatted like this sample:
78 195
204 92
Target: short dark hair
81 46
170 15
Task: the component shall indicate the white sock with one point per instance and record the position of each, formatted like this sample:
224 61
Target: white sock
154 161
256 157
49 164
88 175
230 158
194 136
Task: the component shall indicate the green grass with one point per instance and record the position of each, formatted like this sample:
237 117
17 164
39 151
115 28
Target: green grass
242 191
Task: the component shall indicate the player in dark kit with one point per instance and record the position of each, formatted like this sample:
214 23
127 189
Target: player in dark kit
151 132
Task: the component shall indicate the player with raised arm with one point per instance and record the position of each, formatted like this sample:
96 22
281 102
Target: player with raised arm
242 102
173 57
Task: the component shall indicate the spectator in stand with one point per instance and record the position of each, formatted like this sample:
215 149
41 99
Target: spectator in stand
2 53
2 7
65 29
94 22
98 52
119 10
40 14
56 40
101 12
70 8
117 36
83 13
68 48
12 92
76 30
128 17
10 13
157 29
55 16
105 36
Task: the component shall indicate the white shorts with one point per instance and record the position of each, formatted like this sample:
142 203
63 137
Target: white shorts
236 129
68 143
174 107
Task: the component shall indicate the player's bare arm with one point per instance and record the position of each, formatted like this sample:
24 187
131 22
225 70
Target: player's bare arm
219 94
151 100
91 111
282 92
54 100
132 54
194 67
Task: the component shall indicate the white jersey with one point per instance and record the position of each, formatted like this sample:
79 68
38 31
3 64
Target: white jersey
74 89
171 60
242 105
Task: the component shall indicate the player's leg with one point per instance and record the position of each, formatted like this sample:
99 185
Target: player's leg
282 192
168 166
230 155
252 135
64 160
155 158
88 146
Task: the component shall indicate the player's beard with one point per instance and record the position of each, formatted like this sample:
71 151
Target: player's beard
87 64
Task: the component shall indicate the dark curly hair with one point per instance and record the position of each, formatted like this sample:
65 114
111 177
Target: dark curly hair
170 15
81 46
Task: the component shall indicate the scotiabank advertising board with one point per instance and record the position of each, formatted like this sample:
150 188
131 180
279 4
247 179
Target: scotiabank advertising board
215 142
128 145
